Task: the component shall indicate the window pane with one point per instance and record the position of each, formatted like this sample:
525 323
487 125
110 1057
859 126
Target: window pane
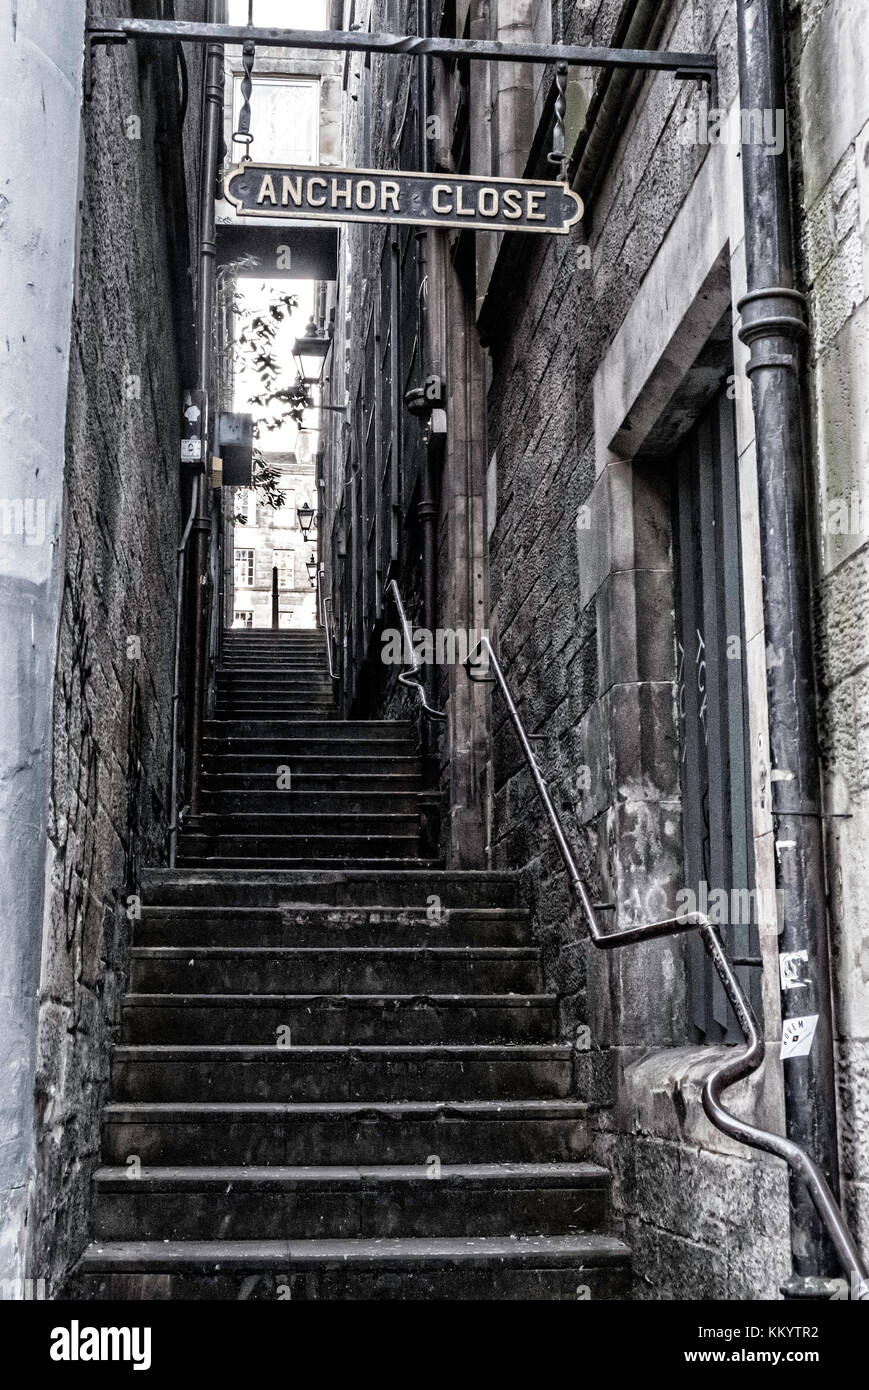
285 119
285 561
244 569
281 14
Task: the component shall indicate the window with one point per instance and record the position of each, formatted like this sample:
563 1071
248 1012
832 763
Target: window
287 514
245 505
242 618
244 569
285 118
286 565
282 14
713 714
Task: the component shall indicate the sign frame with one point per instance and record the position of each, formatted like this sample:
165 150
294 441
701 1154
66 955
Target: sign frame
471 220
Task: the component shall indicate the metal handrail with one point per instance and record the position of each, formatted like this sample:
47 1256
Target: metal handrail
413 678
322 604
728 1072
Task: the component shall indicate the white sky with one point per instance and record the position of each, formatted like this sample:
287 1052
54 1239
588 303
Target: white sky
254 295
281 14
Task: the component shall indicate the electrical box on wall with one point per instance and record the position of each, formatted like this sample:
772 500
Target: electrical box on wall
235 448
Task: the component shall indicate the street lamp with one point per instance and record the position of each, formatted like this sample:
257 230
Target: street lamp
311 567
306 517
310 353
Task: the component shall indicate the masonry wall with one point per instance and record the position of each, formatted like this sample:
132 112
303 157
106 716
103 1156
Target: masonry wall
130 362
829 55
582 600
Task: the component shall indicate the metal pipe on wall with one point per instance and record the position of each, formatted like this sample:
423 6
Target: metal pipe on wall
428 510
176 683
211 135
774 326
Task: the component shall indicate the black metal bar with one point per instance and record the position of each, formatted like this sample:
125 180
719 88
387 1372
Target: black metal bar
427 509
802 1167
341 41
774 324
212 125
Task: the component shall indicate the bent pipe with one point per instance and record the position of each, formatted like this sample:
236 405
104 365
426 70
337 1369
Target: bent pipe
734 1069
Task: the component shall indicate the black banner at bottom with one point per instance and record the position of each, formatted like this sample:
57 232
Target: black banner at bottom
160 1339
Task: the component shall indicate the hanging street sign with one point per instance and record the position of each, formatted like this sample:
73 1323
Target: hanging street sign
377 195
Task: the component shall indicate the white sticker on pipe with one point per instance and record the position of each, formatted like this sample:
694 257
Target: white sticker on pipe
798 1035
790 964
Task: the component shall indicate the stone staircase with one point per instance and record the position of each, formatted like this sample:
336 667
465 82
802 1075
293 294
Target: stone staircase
339 1074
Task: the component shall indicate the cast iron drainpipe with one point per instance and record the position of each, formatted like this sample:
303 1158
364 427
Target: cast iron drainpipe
427 504
176 685
801 1166
212 123
774 326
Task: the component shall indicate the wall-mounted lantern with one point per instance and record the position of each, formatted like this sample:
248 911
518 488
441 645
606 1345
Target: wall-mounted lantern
311 567
310 353
306 515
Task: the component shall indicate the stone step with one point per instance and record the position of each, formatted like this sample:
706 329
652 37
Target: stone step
306 863
338 1018
406 1132
274 692
231 705
330 926
272 704
437 1200
402 842
308 801
351 731
576 1268
250 667
340 888
288 823
274 637
327 771
302 1073
267 678
290 970
323 749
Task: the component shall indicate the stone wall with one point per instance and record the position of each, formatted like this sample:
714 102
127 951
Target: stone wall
829 46
588 339
130 362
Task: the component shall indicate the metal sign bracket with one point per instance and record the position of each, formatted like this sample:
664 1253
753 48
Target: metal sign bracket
695 67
